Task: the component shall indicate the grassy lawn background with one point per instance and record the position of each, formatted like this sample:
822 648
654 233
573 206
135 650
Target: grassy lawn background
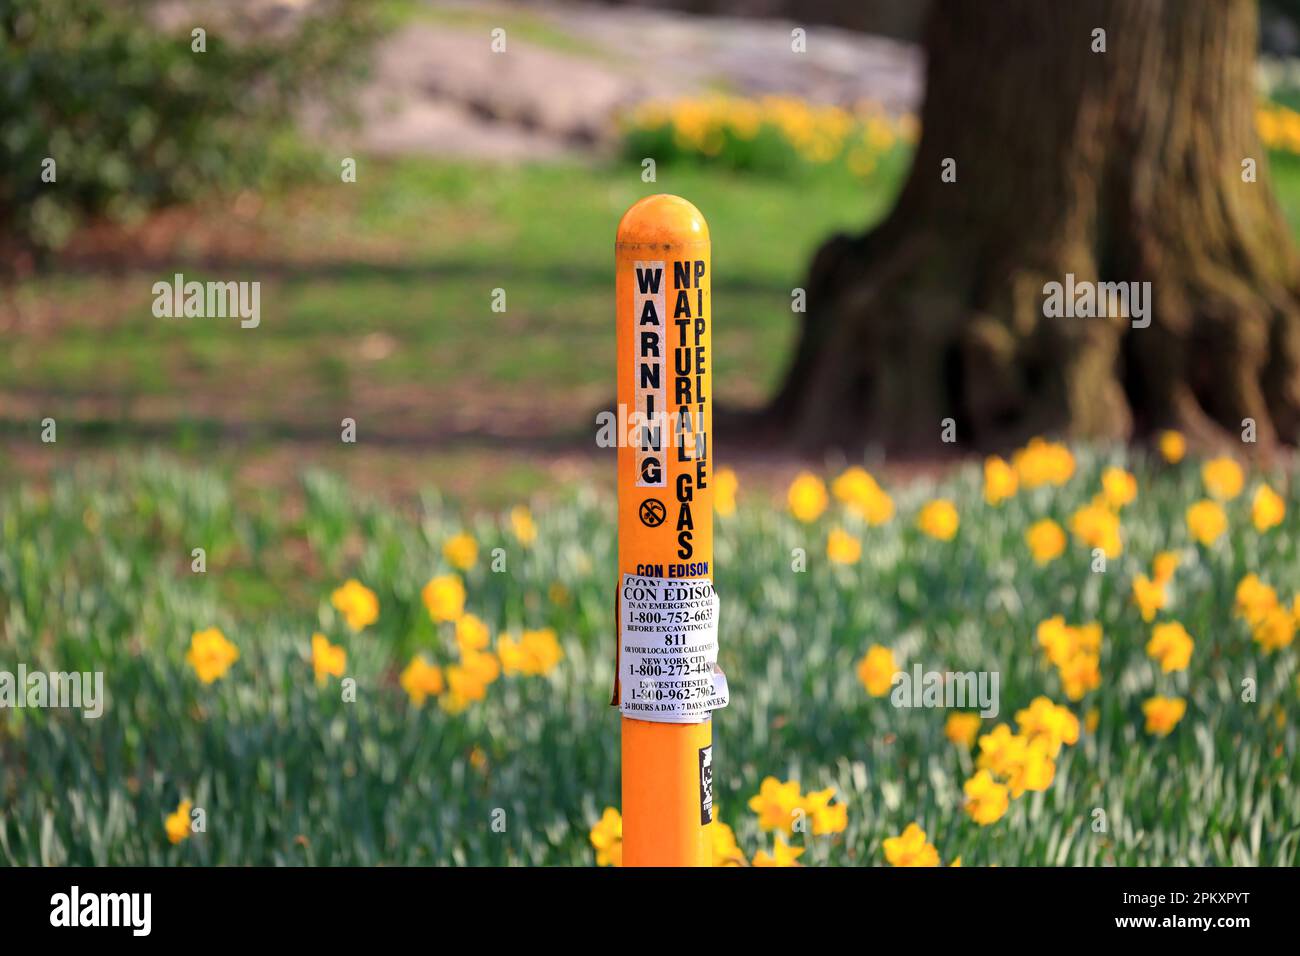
376 305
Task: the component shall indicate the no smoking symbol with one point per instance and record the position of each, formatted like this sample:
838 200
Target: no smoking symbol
653 512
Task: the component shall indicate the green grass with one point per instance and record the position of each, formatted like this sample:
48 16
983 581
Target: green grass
94 575
376 301
376 305
1284 168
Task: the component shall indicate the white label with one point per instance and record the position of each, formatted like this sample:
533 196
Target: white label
668 650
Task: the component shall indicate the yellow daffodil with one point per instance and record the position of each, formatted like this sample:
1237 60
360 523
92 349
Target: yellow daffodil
1171 646
1163 714
1062 642
1046 541
1118 487
962 729
1254 599
1000 750
1089 637
178 824
876 508
607 837
1042 463
877 669
543 648
444 598
357 603
1267 509
1223 478
722 841
826 817
471 634
1163 566
1206 521
1033 771
986 799
852 485
1080 674
781 855
1149 596
1275 629
327 660
1172 445
469 680
725 484
534 653
1024 761
1098 527
521 523
910 849
210 654
807 497
514 659
1000 480
939 519
842 547
863 496
1056 638
1091 720
776 804
460 551
1053 724
421 680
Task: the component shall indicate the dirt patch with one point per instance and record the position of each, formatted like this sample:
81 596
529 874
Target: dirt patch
568 71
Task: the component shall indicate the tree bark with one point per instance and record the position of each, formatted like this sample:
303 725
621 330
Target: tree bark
1116 166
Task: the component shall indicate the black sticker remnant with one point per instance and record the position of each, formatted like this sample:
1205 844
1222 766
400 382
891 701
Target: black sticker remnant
706 785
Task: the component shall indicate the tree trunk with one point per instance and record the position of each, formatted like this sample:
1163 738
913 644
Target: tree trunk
1116 166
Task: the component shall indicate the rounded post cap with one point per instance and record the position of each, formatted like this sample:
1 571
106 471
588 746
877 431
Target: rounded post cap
662 219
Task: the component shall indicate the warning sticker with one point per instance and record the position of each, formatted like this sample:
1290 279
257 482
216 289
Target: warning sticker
668 650
648 374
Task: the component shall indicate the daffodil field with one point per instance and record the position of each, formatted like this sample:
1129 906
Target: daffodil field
781 134
332 680
772 134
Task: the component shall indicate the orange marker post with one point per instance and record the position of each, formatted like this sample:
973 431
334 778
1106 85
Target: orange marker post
668 682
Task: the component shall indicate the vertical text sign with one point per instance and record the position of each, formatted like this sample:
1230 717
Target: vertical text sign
648 375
